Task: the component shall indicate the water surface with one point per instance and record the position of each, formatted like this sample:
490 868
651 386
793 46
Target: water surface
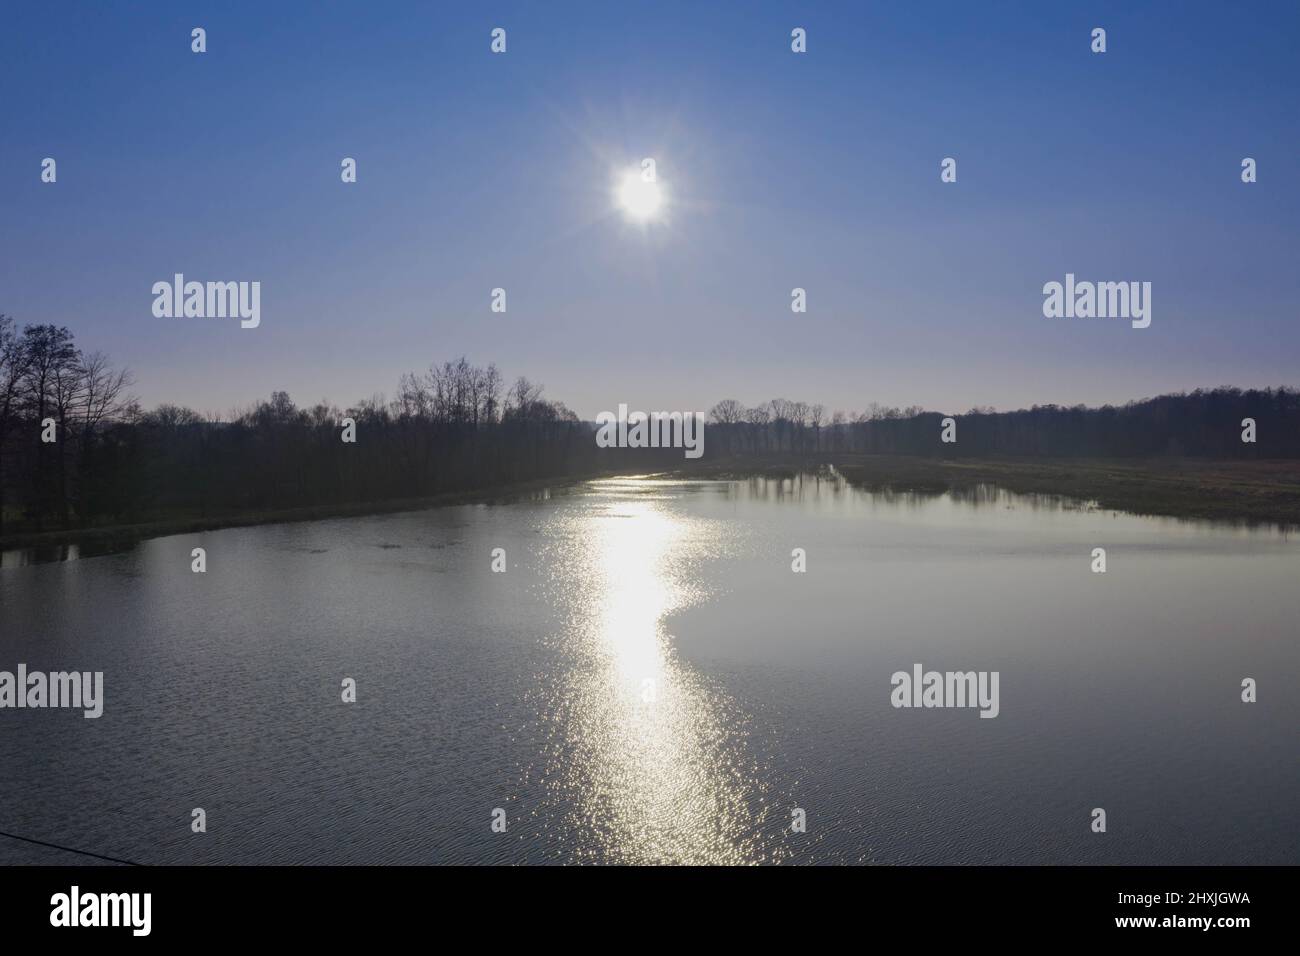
650 682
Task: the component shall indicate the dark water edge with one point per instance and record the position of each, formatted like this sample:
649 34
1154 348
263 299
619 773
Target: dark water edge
1263 495
22 550
1259 495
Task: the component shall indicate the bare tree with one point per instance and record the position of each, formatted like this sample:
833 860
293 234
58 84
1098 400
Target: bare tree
103 391
727 412
101 397
782 409
51 359
14 359
414 398
171 416
490 394
523 398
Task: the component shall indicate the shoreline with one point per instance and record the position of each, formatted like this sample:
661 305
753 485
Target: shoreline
165 527
1265 492
1259 492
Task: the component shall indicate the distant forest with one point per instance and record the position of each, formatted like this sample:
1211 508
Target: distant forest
460 427
1206 423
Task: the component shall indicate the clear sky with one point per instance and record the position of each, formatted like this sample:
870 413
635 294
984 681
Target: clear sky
818 170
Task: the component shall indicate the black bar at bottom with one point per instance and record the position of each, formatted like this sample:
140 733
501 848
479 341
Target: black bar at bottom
337 904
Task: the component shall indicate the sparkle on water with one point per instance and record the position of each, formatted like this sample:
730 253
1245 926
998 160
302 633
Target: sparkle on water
772 692
659 772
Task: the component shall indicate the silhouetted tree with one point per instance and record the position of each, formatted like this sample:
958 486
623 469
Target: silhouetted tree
457 427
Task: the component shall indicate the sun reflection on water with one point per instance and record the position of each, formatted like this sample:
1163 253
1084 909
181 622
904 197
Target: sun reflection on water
647 757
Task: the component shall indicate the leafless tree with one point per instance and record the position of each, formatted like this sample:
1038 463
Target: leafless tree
14 360
727 412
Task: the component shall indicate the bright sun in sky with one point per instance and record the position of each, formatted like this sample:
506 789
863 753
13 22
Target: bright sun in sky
639 200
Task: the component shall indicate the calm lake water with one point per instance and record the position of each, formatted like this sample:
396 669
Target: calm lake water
650 682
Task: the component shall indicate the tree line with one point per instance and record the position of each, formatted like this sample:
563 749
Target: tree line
47 381
77 450
454 427
1205 423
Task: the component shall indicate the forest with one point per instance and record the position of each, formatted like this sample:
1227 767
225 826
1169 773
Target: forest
78 451
1205 423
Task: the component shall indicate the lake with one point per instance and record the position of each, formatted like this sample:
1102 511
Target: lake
649 681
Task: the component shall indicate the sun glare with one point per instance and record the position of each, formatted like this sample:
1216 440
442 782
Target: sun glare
640 201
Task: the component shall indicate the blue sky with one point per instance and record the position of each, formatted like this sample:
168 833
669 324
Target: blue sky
820 170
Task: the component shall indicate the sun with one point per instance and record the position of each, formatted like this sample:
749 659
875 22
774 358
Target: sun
640 201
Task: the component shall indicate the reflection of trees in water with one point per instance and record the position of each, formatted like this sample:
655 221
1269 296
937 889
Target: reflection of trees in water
990 494
91 548
830 483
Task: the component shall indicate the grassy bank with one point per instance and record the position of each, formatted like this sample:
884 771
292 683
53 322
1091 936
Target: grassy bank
1240 491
